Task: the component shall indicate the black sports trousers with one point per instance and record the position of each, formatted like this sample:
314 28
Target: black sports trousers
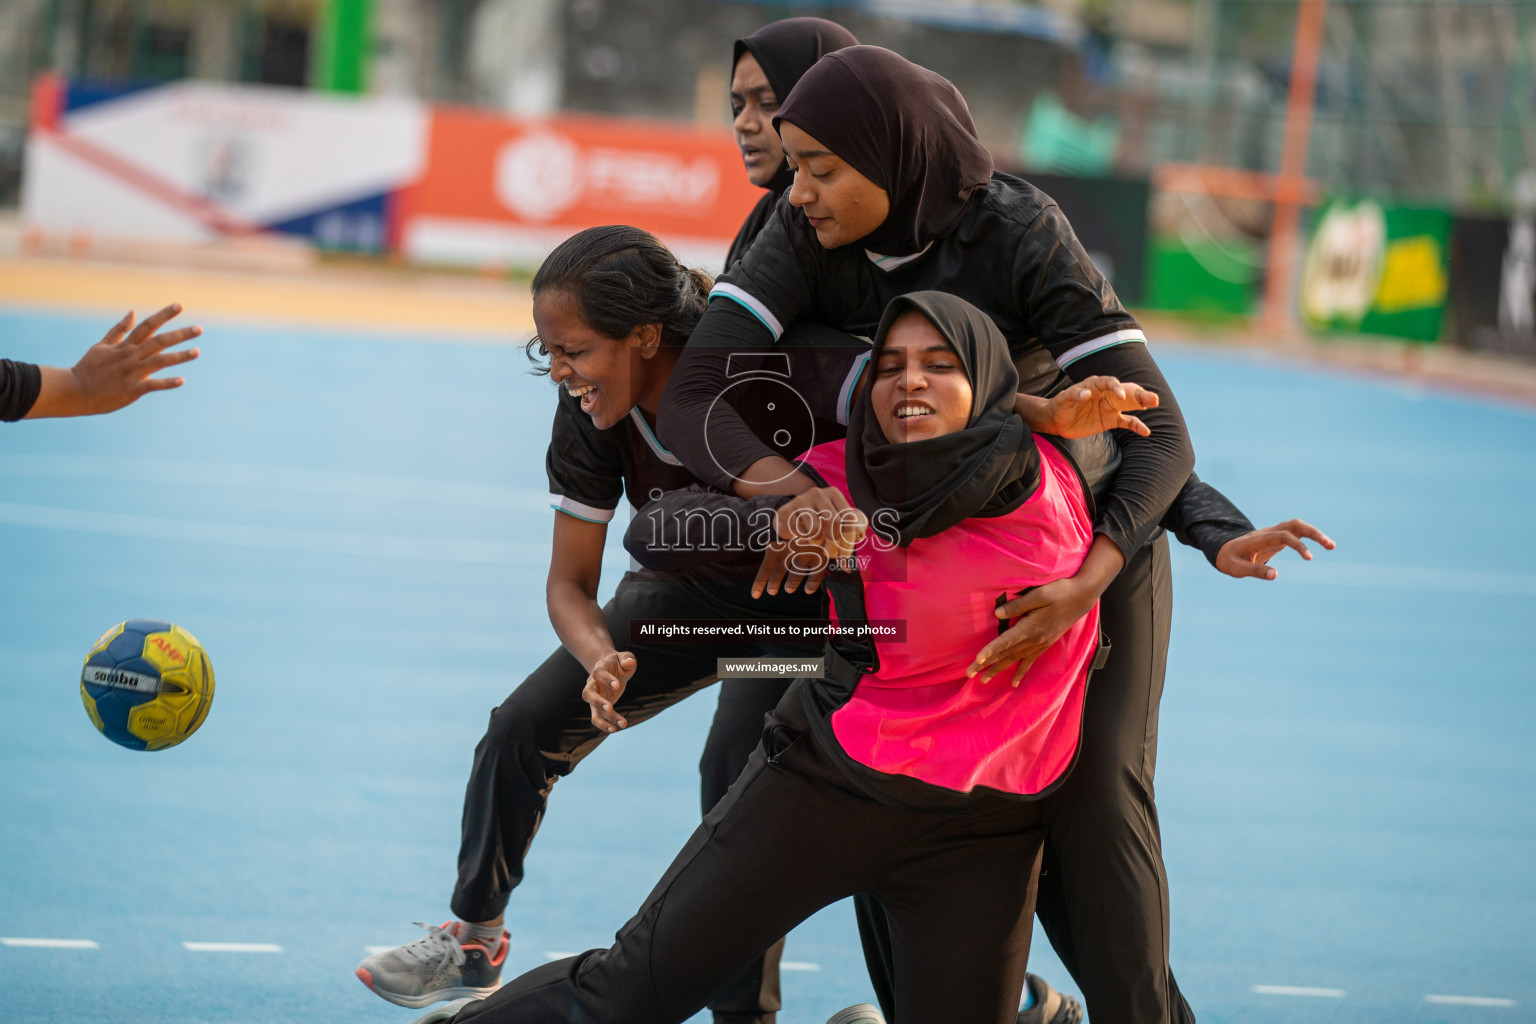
1103 891
544 729
794 835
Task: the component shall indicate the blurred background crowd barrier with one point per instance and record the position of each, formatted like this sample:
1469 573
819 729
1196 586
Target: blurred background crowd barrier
1359 166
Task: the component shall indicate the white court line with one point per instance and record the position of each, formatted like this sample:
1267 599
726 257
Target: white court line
335 482
1323 572
51 943
271 538
1469 1001
1297 990
784 965
378 949
233 947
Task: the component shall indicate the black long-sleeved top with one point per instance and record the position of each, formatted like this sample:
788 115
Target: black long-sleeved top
19 387
1015 257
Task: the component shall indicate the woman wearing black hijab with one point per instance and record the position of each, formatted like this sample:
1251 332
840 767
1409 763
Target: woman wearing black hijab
764 68
895 193
894 773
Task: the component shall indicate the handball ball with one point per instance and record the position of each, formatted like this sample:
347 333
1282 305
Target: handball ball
147 684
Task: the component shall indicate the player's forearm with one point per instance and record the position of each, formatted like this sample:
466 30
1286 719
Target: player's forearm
1204 518
1034 411
769 476
1152 469
691 405
694 527
578 621
1100 568
59 394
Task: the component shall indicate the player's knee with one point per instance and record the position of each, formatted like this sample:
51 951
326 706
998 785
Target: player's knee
512 726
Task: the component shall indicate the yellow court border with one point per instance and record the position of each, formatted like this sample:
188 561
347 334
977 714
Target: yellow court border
453 307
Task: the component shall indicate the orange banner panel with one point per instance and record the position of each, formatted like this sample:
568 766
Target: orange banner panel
497 186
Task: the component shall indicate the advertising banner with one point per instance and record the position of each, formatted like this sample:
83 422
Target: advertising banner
191 162
1376 269
1493 283
499 191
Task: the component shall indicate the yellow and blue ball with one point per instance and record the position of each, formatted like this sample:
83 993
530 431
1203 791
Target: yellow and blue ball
147 684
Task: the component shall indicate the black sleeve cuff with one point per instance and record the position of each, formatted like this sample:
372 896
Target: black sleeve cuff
20 384
1202 517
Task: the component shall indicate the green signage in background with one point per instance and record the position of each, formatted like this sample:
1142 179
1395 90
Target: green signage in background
1374 269
1206 277
344 44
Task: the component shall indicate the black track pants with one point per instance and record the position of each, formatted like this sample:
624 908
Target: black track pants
1103 890
791 837
544 729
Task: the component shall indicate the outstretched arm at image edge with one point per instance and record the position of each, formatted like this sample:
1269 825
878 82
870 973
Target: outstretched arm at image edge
19 386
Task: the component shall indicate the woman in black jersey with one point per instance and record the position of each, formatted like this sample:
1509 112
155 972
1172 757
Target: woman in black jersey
613 308
893 193
764 68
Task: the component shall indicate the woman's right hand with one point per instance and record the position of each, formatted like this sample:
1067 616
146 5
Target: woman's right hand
1090 406
605 684
813 528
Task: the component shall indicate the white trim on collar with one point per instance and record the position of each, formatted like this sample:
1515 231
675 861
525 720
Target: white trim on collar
650 438
892 262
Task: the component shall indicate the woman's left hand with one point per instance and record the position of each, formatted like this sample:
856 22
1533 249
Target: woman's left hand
1249 554
1044 614
1093 406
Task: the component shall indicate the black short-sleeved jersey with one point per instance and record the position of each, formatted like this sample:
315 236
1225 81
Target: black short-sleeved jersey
750 228
793 397
19 387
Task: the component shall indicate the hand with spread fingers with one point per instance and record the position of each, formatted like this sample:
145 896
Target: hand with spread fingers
813 528
1249 554
1044 613
116 371
1090 406
605 685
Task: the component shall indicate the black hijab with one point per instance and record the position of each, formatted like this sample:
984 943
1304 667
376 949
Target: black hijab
987 469
785 50
903 127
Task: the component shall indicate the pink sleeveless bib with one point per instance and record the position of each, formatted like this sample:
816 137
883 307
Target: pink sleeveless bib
918 716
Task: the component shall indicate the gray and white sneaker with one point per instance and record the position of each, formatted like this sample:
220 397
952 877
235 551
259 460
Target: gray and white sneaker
860 1014
1050 1006
443 1013
435 967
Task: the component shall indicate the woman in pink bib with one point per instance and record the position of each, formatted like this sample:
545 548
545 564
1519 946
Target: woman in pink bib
899 773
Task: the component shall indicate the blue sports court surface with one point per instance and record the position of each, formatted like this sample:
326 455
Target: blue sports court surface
356 529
